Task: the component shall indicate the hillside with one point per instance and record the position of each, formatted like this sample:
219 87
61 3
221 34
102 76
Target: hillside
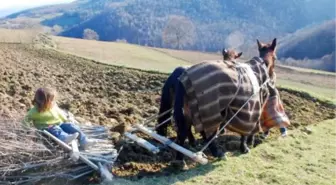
213 24
316 82
312 47
121 54
165 60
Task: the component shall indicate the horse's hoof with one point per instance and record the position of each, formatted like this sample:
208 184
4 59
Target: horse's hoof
245 150
224 157
180 165
220 154
193 144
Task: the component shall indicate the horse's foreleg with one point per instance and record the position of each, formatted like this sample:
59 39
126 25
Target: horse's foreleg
191 138
221 126
250 140
243 145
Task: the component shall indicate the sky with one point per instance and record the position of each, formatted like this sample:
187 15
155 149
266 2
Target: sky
7 4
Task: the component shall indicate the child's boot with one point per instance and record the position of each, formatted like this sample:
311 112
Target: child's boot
70 137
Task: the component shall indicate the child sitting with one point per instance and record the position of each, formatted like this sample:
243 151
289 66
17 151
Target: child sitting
47 115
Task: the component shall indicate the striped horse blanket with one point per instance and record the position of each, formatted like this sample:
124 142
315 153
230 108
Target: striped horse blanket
215 90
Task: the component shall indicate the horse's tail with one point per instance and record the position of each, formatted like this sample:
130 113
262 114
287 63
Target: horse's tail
167 96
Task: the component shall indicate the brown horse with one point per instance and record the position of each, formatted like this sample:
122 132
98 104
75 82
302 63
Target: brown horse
230 55
168 92
209 93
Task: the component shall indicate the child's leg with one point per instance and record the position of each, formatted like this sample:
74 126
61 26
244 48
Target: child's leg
71 128
60 134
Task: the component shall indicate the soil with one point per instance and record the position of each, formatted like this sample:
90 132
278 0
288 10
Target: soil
112 96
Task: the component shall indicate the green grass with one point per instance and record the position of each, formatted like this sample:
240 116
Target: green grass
308 70
190 56
322 93
120 54
300 158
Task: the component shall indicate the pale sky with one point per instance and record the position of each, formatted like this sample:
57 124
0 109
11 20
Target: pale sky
6 4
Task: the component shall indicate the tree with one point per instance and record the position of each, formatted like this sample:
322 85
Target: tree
179 32
90 34
56 29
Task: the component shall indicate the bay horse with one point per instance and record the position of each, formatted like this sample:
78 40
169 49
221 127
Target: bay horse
209 93
167 94
230 55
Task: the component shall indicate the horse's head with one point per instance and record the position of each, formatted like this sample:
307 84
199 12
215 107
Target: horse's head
268 53
273 112
230 55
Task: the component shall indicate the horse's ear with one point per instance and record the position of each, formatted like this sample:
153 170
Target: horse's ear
224 51
239 55
260 45
274 43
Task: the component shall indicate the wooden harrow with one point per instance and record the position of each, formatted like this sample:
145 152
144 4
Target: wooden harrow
141 127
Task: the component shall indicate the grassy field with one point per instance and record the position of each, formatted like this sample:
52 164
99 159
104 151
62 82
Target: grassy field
190 56
120 54
323 93
313 71
164 60
300 158
17 36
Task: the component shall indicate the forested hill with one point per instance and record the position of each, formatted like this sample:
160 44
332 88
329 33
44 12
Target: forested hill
194 24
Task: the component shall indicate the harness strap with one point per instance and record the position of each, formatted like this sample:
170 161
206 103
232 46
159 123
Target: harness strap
223 127
244 68
247 69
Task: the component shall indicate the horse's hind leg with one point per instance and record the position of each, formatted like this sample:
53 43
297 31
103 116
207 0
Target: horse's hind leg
243 145
167 98
213 146
182 127
179 156
165 105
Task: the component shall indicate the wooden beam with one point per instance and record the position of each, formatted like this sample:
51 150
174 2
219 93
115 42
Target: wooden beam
198 157
69 149
142 143
75 151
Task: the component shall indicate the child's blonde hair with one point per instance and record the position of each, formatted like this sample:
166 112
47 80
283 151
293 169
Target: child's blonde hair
44 98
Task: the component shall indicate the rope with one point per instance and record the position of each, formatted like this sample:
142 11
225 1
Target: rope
165 121
150 119
223 127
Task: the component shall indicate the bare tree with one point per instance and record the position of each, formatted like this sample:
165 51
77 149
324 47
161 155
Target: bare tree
90 34
179 32
56 29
